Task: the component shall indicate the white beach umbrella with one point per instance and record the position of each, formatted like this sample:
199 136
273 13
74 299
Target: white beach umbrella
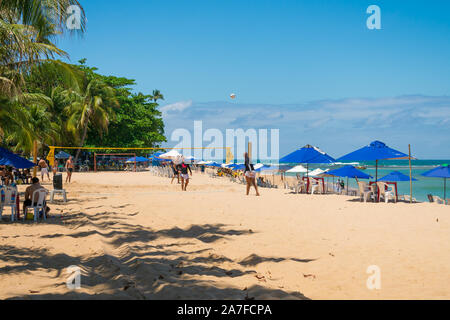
204 162
170 155
298 169
258 166
316 173
190 158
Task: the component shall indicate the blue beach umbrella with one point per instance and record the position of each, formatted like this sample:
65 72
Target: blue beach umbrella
238 167
137 159
266 168
156 155
7 158
396 176
62 155
214 165
349 172
308 155
375 151
440 172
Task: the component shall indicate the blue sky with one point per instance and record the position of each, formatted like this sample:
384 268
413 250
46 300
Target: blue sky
310 68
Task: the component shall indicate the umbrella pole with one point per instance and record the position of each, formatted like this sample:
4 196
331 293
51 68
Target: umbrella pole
376 179
376 172
347 185
307 178
35 147
410 177
445 189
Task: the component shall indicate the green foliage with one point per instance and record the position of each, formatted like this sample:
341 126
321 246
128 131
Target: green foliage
138 124
83 108
55 103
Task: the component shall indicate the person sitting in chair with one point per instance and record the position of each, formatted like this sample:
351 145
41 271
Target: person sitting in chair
26 176
7 177
35 185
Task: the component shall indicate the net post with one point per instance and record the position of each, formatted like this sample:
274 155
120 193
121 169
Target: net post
410 177
35 151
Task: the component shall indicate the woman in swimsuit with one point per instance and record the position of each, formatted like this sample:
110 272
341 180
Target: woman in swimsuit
250 175
183 169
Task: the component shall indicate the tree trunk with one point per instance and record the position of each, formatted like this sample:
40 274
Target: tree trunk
82 142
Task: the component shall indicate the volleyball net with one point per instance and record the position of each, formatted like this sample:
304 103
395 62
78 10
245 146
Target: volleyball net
120 159
115 162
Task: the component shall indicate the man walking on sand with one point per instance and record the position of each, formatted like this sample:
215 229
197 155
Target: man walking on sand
69 169
44 169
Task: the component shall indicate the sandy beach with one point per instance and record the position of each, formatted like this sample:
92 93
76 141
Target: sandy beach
135 236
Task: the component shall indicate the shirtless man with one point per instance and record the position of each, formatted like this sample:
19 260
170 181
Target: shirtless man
69 168
35 185
44 169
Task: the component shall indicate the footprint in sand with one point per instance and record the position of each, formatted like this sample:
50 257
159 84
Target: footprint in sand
260 277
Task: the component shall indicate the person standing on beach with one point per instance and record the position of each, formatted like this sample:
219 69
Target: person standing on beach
176 174
69 169
250 175
44 169
183 168
55 167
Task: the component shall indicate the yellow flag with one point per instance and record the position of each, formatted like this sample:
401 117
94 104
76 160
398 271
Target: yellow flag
230 156
51 156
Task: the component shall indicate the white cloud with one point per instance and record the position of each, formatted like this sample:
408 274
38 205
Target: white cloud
176 107
331 124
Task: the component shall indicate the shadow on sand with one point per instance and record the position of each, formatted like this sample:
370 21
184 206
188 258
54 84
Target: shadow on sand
138 269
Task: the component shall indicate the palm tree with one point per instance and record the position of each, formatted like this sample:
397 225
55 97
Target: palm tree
39 14
26 118
26 30
13 119
157 95
94 106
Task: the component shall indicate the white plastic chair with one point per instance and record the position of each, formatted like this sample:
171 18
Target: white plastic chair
386 194
38 204
365 192
10 201
314 186
300 187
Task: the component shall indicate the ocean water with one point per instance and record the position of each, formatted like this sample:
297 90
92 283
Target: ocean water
421 188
